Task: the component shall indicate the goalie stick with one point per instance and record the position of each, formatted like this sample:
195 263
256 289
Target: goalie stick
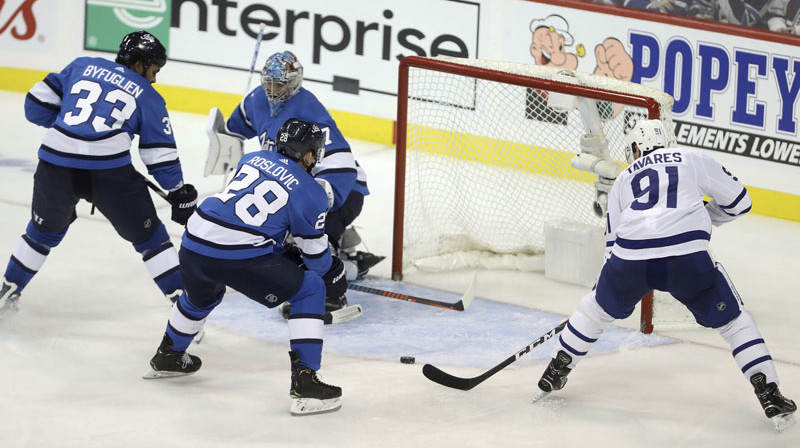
261 27
461 305
436 375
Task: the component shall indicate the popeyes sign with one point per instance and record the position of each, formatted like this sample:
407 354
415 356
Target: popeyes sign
20 21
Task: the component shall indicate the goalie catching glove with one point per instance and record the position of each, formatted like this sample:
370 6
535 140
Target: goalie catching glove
184 203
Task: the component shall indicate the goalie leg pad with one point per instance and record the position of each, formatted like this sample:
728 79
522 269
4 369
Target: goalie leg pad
339 316
342 315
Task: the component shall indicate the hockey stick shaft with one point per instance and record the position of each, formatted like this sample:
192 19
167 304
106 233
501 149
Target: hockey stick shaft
155 188
437 375
461 305
261 27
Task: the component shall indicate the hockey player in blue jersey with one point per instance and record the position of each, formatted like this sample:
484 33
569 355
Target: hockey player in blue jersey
92 109
231 241
657 237
260 114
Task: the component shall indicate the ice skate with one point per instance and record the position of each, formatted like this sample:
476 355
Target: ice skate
168 363
362 260
365 261
778 408
8 291
554 376
309 394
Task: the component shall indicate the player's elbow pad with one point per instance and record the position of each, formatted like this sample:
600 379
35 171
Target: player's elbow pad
40 115
717 215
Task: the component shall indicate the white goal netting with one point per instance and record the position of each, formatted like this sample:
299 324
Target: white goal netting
487 151
488 162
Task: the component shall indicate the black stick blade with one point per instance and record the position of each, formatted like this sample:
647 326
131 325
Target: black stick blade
436 375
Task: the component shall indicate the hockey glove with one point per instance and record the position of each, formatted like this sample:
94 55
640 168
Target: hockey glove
184 203
335 280
292 253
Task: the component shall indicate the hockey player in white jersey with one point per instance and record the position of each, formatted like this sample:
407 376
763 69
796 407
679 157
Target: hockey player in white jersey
231 241
260 114
92 110
657 237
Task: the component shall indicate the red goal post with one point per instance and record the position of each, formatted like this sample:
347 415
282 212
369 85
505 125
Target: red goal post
465 123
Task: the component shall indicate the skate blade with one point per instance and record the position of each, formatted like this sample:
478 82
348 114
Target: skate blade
8 310
156 374
311 406
198 338
10 307
783 422
539 395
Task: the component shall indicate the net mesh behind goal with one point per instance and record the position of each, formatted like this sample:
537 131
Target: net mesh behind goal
484 152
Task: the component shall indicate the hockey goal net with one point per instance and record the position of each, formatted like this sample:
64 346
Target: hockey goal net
486 157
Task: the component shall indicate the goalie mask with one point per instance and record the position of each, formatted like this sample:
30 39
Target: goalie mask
281 78
296 138
647 135
141 46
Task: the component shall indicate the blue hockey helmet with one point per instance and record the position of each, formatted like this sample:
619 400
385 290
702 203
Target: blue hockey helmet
281 78
141 46
297 137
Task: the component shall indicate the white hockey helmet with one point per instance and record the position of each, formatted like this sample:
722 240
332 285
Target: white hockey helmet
647 135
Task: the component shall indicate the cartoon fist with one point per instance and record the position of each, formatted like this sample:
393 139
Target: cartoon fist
613 61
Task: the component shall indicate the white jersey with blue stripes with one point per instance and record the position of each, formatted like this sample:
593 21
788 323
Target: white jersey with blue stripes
656 207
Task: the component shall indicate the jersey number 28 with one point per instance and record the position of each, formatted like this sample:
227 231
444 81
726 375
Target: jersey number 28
254 208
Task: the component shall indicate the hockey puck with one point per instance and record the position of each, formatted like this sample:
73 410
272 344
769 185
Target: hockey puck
407 359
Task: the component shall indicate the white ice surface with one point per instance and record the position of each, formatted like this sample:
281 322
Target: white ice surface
71 361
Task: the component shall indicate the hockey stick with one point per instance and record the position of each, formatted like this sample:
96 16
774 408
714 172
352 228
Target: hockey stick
461 305
436 375
155 188
261 27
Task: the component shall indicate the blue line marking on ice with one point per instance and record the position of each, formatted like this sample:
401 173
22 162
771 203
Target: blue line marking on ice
481 336
27 165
